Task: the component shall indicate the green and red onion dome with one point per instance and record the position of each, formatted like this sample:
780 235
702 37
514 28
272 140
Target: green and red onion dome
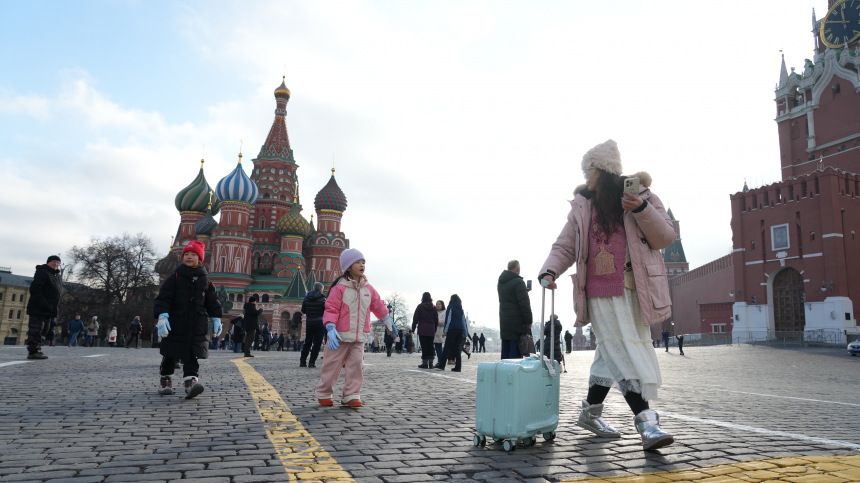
195 196
293 223
331 197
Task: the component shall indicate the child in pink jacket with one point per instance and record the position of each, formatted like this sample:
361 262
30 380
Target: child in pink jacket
347 320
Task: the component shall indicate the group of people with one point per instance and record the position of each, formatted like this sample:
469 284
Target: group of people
266 340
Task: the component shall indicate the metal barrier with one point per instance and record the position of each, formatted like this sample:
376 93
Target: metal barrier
786 338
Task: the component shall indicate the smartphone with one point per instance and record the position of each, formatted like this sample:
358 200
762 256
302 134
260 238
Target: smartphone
631 185
529 284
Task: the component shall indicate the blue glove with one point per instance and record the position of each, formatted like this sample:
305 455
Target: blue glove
390 325
332 338
216 323
163 325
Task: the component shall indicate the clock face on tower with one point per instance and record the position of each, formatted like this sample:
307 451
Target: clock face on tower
842 24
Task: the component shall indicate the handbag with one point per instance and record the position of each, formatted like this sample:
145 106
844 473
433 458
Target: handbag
526 345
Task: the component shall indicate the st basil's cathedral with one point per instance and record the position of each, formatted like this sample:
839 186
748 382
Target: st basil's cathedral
261 244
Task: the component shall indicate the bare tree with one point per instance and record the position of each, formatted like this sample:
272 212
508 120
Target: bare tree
115 279
400 312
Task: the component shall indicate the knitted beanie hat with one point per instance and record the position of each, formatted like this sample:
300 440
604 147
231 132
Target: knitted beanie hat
348 257
318 287
196 247
604 156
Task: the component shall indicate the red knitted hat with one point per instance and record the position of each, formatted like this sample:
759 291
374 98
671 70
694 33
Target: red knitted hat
196 247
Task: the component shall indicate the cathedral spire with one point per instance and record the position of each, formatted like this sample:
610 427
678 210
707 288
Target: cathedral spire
783 72
278 141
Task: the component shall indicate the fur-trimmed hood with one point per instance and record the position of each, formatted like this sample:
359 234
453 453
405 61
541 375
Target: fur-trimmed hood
644 181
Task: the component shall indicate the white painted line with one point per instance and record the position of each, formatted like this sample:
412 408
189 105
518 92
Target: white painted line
97 355
788 397
13 363
442 375
801 437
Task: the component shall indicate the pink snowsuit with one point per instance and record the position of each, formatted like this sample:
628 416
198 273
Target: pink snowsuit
348 309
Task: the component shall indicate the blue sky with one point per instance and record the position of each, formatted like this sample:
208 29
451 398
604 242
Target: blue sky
458 126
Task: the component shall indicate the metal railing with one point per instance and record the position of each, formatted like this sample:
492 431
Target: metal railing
790 338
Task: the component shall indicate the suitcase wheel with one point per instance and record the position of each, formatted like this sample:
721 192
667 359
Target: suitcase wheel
549 436
479 440
509 445
529 441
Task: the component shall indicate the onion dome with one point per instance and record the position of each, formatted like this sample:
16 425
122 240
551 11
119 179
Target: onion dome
330 197
195 196
282 92
167 265
237 186
206 225
293 223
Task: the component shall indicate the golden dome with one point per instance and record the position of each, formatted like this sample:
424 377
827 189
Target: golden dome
282 91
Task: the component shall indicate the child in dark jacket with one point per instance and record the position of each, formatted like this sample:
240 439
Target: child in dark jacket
181 307
546 336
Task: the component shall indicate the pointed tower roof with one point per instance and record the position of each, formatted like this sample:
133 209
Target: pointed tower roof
297 288
671 216
783 73
331 197
674 253
278 141
311 281
195 196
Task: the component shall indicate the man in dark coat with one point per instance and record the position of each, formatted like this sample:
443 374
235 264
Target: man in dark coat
483 341
249 323
475 342
183 306
568 340
389 342
135 330
313 307
45 290
515 310
426 319
556 336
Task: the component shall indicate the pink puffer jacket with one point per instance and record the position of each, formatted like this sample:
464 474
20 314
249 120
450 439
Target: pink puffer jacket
349 306
648 232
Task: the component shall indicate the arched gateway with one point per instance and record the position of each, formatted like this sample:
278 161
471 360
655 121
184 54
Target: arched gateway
788 313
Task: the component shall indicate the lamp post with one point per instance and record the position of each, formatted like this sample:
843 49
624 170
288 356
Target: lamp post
391 310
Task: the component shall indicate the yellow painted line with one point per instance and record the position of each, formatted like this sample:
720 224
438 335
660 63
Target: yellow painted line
788 469
303 457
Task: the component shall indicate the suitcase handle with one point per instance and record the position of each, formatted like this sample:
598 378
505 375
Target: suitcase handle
551 328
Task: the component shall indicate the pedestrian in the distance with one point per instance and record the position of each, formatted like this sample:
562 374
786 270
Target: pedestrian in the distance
546 337
439 337
45 291
134 330
313 306
614 238
425 320
93 331
237 334
680 339
351 300
568 341
515 310
483 341
249 323
75 327
182 305
52 332
456 329
389 342
112 337
476 342
665 335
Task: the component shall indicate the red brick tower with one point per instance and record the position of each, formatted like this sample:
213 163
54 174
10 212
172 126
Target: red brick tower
327 242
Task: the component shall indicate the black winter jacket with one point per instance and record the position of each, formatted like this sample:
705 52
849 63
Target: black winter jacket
45 290
545 349
189 300
238 329
515 310
252 317
314 306
135 327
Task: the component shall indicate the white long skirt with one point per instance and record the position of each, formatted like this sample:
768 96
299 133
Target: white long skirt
625 356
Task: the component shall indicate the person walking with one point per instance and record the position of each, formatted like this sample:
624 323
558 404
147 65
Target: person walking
134 329
265 336
185 302
475 342
515 310
313 306
52 332
237 334
75 327
389 342
483 341
112 337
93 331
439 336
425 319
614 238
456 330
665 335
281 342
45 291
680 339
546 339
568 341
249 323
351 300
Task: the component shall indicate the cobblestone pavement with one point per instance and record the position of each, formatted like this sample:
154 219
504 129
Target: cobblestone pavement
94 415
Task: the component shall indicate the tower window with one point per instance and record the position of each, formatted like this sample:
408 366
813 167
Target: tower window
812 236
262 222
753 245
265 298
13 297
841 148
836 88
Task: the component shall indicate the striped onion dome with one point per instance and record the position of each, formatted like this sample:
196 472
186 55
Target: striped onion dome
293 223
206 225
330 197
237 186
195 196
167 265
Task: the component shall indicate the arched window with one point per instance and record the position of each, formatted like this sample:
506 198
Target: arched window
266 260
265 298
232 297
266 196
256 261
262 222
285 318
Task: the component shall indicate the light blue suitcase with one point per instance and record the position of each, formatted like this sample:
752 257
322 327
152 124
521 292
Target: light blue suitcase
517 399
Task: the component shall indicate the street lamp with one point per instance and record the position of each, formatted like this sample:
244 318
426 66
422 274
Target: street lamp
391 310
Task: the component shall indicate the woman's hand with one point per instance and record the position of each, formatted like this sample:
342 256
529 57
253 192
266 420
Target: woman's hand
630 202
548 278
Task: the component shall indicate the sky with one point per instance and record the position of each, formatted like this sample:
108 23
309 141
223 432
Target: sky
457 128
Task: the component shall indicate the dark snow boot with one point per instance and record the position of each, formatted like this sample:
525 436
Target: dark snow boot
192 387
425 364
303 364
166 386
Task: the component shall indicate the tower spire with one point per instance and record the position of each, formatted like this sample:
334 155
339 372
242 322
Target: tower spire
783 72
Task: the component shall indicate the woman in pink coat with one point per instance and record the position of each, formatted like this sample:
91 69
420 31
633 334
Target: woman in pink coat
620 287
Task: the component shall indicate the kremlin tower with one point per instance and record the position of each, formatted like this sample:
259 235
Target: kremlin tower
261 244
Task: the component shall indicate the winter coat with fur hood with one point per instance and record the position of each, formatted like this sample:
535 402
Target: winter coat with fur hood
349 306
648 232
45 290
189 300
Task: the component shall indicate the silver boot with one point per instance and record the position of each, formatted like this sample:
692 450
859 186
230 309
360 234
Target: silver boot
647 424
590 419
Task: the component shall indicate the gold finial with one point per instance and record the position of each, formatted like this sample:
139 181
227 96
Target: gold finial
171 243
332 164
332 171
295 198
210 200
312 217
780 53
201 162
240 151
